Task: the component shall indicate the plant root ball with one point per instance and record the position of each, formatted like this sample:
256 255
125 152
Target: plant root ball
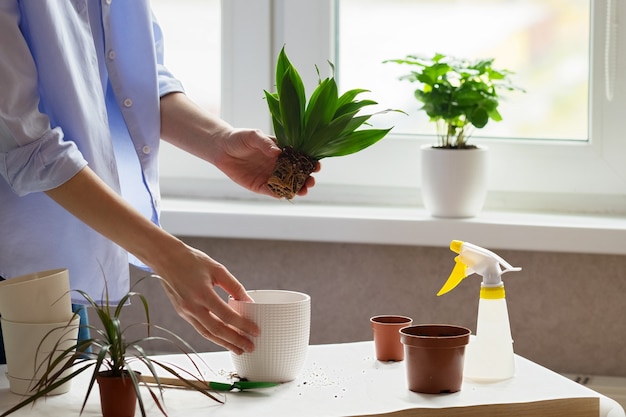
290 173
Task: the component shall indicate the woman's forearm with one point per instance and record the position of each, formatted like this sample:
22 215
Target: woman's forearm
88 198
190 275
185 125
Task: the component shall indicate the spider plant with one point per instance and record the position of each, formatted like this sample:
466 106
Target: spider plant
108 352
328 125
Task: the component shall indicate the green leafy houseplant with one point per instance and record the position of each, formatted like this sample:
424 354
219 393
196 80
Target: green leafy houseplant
328 125
457 94
110 354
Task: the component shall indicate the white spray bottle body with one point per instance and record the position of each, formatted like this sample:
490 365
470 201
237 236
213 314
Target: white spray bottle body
489 355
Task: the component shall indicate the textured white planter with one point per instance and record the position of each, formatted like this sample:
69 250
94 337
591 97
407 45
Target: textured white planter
284 318
454 181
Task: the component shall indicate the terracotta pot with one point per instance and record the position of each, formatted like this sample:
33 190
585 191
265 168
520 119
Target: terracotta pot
434 357
386 331
117 395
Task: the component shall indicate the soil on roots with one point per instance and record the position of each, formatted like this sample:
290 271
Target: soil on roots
290 173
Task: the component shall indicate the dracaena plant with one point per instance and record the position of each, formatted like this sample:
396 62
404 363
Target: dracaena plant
108 351
328 125
457 94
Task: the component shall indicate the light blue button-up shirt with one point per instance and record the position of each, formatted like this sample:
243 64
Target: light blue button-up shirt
80 83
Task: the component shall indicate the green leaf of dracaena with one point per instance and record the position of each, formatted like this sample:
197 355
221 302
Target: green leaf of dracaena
291 102
279 130
354 106
347 98
352 124
325 134
321 107
352 143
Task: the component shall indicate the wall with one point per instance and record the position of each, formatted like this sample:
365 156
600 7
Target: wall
567 310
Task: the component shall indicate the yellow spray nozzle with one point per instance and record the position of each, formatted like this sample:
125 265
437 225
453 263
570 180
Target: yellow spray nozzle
474 259
455 246
458 274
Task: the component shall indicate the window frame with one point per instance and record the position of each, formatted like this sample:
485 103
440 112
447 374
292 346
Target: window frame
539 175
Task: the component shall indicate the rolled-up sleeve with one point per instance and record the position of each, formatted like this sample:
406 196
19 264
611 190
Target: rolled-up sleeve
167 82
33 156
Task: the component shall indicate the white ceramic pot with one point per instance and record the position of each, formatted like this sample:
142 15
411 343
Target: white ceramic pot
284 318
41 297
454 181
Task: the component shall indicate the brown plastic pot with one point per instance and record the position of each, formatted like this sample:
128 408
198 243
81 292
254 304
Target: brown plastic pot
434 357
118 397
386 331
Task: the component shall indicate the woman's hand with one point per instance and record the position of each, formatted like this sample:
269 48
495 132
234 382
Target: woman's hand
191 277
246 156
190 280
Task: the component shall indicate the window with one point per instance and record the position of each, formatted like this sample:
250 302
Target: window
192 37
580 165
545 42
221 53
193 46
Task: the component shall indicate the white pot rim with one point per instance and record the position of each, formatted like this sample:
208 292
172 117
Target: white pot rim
440 148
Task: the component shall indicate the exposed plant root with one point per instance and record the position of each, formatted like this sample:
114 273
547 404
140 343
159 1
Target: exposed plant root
290 173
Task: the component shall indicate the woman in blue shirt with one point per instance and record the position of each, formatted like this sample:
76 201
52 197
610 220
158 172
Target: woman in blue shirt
84 101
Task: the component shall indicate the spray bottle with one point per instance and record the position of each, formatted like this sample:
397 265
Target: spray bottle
489 356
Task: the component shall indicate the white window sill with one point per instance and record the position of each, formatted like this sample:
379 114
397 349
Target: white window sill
371 224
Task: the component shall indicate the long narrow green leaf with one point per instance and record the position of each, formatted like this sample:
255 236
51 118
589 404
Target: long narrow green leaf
349 96
354 142
282 65
321 107
100 359
325 134
354 124
279 130
44 391
353 106
272 104
292 99
291 104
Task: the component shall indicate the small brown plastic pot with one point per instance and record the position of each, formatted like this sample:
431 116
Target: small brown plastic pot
434 357
118 397
386 331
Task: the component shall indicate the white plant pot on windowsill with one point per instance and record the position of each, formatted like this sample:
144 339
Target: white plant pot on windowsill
454 181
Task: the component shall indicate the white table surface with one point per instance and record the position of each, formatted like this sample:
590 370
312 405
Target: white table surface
337 380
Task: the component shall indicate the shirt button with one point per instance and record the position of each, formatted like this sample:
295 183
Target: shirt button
111 54
108 1
128 102
146 149
80 6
